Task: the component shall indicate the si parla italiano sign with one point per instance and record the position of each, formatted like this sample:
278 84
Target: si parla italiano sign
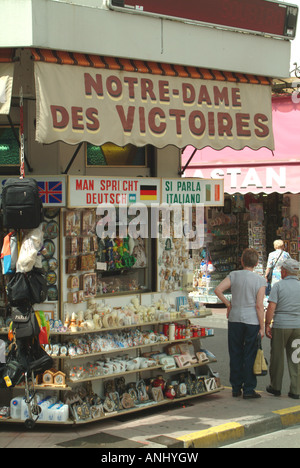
193 192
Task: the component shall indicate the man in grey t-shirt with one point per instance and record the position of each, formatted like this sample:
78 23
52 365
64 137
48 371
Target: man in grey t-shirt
284 310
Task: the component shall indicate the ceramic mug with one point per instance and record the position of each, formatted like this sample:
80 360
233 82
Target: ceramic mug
143 363
116 367
153 337
130 365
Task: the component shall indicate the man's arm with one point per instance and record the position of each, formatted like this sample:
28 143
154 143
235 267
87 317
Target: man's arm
269 318
260 310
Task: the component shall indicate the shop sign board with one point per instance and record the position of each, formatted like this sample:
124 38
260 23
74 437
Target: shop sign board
76 104
195 191
259 16
52 189
94 191
249 179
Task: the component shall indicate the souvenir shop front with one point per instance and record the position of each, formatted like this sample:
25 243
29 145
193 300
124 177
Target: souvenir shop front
117 321
262 200
118 310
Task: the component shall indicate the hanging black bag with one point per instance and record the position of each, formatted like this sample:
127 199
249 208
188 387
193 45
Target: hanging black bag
27 288
17 290
37 284
12 373
39 361
24 323
21 204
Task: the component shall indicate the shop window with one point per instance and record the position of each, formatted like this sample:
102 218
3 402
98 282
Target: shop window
9 151
115 156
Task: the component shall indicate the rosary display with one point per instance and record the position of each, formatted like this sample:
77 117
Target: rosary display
118 396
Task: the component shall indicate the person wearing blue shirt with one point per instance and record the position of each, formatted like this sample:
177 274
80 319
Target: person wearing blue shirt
275 261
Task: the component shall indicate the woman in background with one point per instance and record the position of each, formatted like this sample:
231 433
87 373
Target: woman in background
275 261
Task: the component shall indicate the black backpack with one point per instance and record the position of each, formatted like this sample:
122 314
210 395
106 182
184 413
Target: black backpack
21 204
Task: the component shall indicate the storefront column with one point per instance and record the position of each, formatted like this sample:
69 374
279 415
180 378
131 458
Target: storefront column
168 162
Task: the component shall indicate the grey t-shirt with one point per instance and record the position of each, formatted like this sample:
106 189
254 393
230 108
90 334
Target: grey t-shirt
286 294
245 285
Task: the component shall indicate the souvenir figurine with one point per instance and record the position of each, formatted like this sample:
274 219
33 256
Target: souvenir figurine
295 221
128 260
118 253
170 392
109 245
139 253
159 382
101 253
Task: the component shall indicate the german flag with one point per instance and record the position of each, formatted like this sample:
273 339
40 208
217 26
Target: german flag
148 192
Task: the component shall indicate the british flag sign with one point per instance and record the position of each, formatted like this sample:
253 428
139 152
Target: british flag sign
51 192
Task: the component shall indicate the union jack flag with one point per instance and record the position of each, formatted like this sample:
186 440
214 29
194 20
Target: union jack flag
51 192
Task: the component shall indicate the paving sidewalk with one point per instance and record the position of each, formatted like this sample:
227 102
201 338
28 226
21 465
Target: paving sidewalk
206 422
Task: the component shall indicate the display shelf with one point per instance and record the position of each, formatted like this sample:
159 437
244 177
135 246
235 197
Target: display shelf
125 327
137 371
122 350
52 388
79 262
98 382
207 299
151 404
124 412
193 366
109 376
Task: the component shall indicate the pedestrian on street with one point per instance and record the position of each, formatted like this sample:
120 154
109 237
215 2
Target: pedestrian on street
246 320
284 309
275 261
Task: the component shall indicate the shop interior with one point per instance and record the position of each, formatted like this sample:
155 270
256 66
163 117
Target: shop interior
251 220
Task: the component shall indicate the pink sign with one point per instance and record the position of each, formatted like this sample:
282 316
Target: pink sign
246 179
256 171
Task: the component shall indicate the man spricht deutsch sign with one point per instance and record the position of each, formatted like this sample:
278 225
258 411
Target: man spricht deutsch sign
76 104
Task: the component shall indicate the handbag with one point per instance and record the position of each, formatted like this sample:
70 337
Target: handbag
30 288
18 290
39 360
37 285
270 274
24 323
12 373
22 359
260 368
